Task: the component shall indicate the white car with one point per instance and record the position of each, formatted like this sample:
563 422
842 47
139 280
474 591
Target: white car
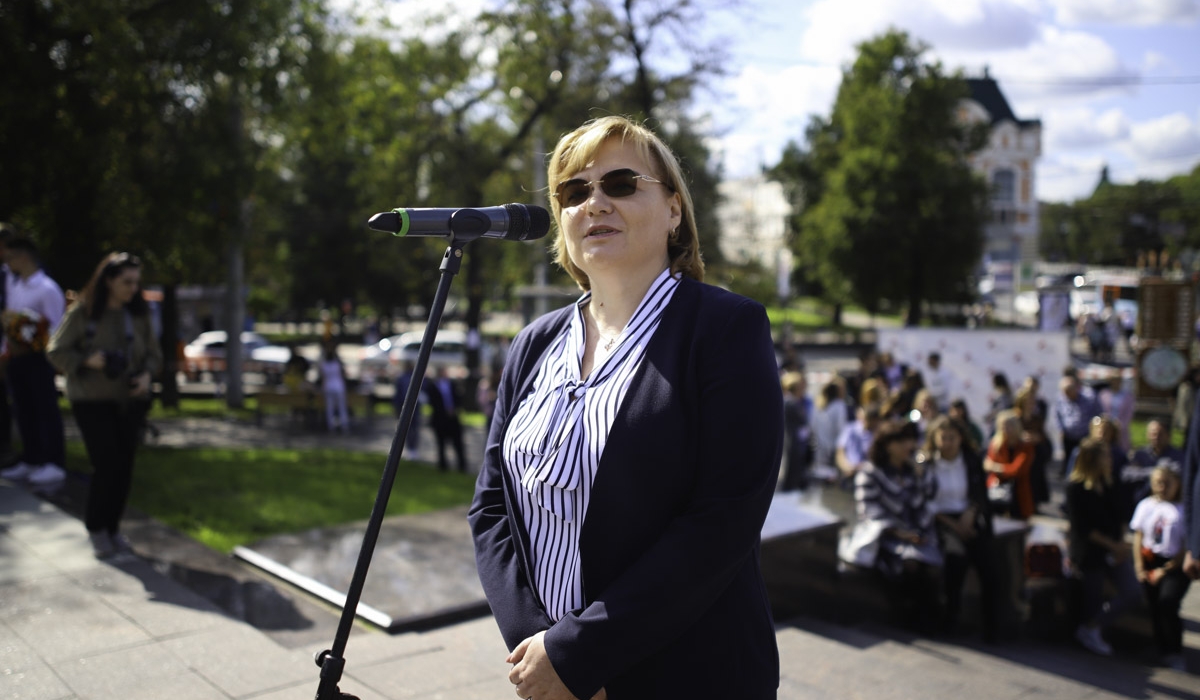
386 357
207 354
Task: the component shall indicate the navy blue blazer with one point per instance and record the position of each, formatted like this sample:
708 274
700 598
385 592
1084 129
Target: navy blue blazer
674 601
1191 481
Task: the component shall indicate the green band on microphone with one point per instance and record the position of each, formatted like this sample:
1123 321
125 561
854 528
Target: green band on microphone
403 223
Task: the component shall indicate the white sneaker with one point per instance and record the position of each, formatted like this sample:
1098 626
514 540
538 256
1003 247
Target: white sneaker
1090 638
16 472
47 474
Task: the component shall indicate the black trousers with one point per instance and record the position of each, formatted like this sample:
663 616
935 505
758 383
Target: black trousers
979 555
110 433
449 429
35 403
1164 599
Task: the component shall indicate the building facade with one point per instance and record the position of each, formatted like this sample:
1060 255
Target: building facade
1008 163
753 218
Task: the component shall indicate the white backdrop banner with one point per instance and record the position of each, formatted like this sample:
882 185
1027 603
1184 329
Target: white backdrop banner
971 356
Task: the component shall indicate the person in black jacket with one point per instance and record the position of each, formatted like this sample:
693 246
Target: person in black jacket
1097 543
964 519
634 451
445 400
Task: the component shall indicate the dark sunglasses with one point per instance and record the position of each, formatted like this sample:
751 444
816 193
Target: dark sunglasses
614 183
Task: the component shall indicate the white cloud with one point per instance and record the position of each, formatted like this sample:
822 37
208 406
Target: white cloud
1075 128
767 108
834 27
1156 60
1065 179
1160 142
1127 12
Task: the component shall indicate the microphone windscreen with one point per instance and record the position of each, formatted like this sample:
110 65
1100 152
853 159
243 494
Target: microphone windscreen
527 222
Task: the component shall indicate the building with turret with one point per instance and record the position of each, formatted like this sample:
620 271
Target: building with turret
1008 163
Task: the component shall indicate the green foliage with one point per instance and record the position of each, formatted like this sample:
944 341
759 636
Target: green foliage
125 125
175 129
890 210
1125 224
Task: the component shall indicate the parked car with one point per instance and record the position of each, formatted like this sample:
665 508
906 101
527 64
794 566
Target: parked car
207 354
386 357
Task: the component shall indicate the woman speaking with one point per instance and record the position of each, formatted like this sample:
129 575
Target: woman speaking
633 453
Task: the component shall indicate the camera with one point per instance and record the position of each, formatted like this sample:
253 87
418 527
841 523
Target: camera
116 363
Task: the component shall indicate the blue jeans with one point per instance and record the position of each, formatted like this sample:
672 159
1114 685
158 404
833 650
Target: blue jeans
35 403
1096 610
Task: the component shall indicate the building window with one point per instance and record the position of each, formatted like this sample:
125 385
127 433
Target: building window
1004 187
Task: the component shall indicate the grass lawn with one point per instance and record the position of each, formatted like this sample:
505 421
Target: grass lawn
227 497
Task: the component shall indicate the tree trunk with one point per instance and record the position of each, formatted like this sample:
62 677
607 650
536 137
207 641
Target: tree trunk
915 295
169 396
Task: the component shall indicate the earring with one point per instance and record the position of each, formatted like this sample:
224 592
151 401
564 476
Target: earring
673 236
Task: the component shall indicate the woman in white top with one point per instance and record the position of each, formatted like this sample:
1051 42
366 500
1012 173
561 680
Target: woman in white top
333 386
964 518
1158 542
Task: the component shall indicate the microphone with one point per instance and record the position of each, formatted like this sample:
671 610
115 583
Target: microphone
510 222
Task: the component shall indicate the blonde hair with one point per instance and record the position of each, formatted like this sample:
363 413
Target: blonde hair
873 390
578 148
1003 418
1171 473
1021 397
1091 468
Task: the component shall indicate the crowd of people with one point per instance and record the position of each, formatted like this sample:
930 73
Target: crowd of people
928 482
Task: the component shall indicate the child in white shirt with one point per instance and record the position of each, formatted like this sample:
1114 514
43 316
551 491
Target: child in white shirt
1158 541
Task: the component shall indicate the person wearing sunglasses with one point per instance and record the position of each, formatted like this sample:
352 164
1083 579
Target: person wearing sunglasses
634 450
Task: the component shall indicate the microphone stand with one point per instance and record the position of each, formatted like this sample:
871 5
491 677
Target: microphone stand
331 661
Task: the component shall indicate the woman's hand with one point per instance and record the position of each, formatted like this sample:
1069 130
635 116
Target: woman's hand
1191 566
140 385
533 674
95 360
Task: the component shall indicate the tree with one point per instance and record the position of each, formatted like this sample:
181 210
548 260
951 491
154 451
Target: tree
131 125
892 211
1126 224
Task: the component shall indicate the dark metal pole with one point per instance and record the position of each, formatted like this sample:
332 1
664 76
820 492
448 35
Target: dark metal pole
332 661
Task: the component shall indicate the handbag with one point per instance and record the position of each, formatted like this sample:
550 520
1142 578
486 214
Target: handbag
860 546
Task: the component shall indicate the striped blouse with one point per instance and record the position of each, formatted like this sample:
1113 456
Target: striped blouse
556 438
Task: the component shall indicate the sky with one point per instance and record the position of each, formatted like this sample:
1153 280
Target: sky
1114 82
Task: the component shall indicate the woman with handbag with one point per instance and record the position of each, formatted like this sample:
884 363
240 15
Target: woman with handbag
893 497
107 349
964 519
1009 462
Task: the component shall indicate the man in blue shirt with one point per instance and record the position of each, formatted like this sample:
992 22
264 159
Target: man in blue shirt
1074 410
1158 450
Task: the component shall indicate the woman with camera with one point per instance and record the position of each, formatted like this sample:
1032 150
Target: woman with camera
107 349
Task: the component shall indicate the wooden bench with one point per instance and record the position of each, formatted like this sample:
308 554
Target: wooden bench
309 407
